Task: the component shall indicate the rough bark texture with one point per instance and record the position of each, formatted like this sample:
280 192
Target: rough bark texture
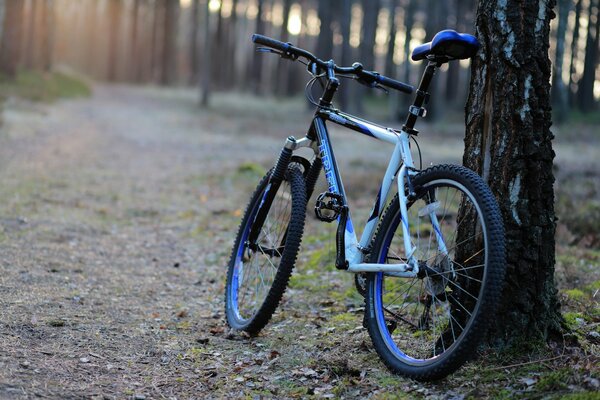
11 37
508 142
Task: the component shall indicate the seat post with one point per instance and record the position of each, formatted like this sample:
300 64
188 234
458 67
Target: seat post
416 109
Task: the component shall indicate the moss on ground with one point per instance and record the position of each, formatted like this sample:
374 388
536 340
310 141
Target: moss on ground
43 86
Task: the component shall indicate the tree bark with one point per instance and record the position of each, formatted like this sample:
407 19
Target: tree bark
10 45
508 142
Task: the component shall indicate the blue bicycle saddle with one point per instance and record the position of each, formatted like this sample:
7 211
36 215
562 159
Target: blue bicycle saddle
448 43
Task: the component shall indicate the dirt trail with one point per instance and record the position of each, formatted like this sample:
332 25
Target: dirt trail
116 219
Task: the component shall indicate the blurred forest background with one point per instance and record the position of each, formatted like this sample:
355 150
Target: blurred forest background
206 43
118 209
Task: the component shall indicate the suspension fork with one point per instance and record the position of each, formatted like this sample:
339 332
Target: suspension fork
272 187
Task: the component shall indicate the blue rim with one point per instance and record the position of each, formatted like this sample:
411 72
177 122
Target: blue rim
233 295
379 315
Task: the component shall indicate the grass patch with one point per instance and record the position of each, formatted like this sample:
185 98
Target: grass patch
43 86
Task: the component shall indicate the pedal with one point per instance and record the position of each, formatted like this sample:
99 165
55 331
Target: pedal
329 206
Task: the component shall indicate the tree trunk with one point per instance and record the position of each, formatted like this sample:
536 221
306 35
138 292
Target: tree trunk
10 45
585 90
574 47
390 66
325 39
508 142
367 44
169 53
30 53
204 63
114 19
560 99
134 66
408 25
346 59
283 68
193 50
47 34
257 64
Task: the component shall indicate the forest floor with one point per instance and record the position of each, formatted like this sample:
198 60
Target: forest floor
117 215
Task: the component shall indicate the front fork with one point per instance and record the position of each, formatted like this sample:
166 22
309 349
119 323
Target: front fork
275 181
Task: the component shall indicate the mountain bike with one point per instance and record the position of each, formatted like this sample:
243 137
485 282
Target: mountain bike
430 262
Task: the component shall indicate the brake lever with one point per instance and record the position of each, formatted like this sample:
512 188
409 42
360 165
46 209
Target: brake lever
378 86
372 85
279 53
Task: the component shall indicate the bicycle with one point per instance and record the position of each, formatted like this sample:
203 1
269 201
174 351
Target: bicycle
429 263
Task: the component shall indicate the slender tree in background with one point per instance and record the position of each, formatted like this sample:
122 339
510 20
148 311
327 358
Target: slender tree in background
204 64
46 34
134 68
560 99
585 86
30 37
169 51
194 39
574 47
114 18
508 141
345 15
10 45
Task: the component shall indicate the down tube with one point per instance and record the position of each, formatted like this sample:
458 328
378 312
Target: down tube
334 182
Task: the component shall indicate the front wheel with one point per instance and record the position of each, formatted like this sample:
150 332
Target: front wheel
426 327
259 272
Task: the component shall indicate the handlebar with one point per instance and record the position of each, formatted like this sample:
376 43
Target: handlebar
370 78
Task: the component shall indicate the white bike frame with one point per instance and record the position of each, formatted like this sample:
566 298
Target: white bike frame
400 168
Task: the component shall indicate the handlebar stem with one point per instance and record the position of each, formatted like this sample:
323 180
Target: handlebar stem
332 85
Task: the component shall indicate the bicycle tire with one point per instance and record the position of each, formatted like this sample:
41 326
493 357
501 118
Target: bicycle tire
408 343
260 312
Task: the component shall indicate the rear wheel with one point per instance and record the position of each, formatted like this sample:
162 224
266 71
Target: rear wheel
259 272
427 326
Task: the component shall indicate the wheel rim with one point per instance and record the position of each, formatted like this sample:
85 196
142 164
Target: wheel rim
422 318
254 271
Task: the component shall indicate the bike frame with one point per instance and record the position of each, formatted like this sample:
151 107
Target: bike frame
400 168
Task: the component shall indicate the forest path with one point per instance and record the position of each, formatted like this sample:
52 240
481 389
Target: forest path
117 215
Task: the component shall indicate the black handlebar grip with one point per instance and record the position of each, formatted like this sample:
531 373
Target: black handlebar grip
394 84
267 41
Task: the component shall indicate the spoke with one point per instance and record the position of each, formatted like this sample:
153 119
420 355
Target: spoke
460 304
402 294
458 286
399 318
433 301
455 246
473 256
451 318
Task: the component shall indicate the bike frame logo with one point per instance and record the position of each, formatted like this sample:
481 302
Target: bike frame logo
326 159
